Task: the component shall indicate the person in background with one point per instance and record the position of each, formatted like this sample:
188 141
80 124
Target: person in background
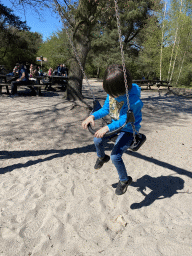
65 70
35 72
31 71
60 70
57 70
50 72
23 79
27 67
16 70
40 71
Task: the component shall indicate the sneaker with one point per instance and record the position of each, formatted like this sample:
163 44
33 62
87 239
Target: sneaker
101 161
122 186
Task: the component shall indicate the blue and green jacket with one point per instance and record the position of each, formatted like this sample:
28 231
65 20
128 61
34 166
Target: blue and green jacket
117 109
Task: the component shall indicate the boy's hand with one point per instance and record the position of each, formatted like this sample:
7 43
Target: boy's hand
101 132
88 120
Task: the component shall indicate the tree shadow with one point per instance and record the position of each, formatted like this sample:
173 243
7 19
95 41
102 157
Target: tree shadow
178 170
50 155
54 153
172 103
161 187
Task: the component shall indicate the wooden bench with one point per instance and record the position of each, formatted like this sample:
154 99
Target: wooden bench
6 85
34 87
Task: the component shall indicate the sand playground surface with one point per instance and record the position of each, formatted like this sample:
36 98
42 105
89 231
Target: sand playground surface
53 202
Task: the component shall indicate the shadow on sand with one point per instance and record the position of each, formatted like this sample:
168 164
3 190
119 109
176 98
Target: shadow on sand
161 187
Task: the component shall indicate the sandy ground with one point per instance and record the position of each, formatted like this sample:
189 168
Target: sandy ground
53 202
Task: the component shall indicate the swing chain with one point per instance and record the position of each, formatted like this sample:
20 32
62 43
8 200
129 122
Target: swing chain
122 52
124 70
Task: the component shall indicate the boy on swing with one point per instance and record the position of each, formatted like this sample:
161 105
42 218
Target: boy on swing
116 106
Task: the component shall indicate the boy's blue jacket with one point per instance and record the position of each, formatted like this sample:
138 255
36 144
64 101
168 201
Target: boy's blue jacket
117 109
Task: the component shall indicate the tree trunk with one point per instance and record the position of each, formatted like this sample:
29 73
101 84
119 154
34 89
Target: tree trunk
75 74
98 72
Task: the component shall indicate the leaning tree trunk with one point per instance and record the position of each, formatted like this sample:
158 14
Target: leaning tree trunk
82 47
82 24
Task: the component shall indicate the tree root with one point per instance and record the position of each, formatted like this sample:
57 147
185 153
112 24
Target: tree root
78 101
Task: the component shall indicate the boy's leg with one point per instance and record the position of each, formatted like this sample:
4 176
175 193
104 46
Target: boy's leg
99 145
123 142
102 158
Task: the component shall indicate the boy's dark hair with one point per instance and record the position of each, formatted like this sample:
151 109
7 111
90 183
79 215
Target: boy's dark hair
113 82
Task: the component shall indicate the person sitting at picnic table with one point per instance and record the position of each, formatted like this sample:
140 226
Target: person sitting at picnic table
32 69
50 72
59 70
40 71
22 80
27 67
36 72
65 70
16 70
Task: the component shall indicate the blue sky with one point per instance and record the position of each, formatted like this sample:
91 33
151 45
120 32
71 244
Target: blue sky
47 24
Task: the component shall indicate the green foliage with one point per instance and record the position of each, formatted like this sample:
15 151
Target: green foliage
134 16
149 55
56 49
17 44
179 27
21 47
7 18
93 27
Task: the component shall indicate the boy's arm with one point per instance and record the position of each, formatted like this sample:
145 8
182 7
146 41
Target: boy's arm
116 124
104 111
101 132
136 108
87 121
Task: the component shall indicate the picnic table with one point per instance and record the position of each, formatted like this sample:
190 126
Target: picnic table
149 83
3 82
61 80
3 77
48 81
41 81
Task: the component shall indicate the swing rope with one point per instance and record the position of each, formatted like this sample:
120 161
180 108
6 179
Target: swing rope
123 64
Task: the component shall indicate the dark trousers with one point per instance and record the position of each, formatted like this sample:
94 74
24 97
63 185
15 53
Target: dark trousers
123 142
14 85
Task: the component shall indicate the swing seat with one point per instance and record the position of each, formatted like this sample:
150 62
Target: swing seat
97 106
140 138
